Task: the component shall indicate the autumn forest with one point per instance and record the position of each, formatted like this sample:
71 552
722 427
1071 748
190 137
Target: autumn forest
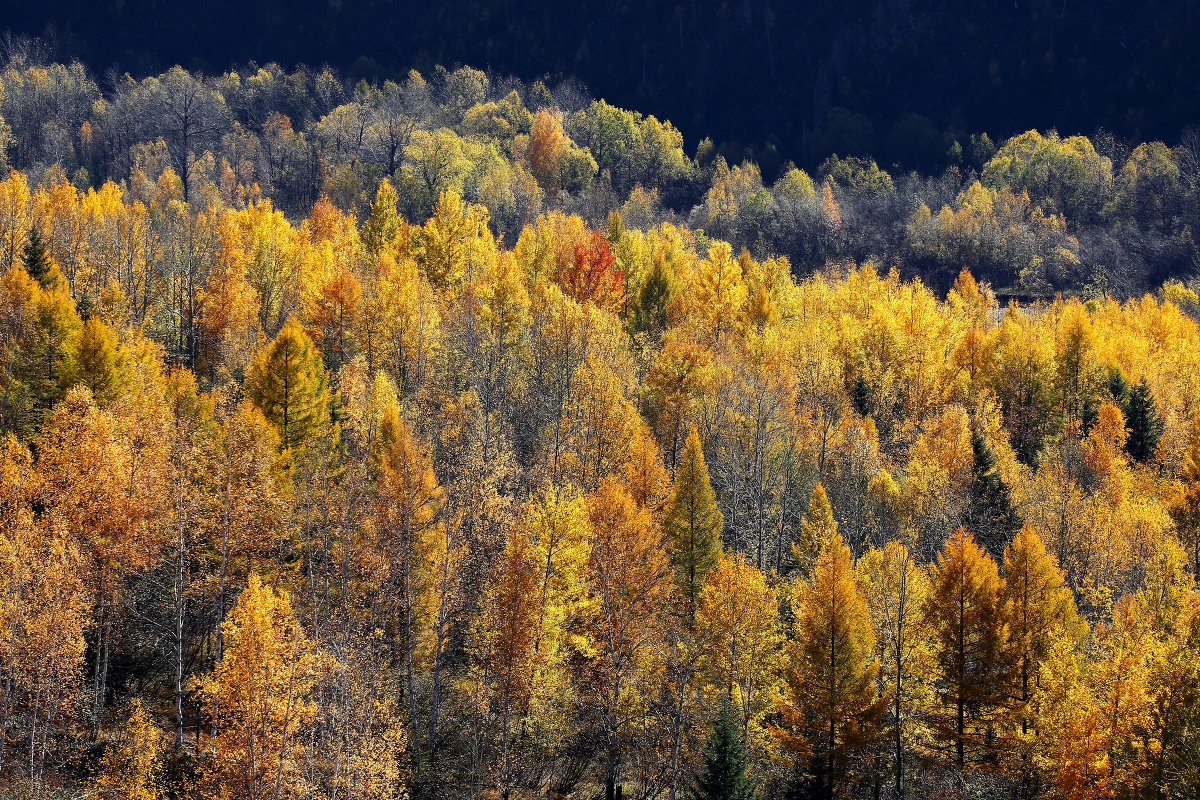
460 437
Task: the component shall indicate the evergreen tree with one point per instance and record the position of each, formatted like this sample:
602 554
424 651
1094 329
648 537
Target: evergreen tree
1118 387
36 260
725 764
692 522
1145 427
650 311
287 383
860 395
990 515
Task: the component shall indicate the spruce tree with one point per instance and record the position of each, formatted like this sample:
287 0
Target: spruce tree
725 764
1145 427
287 383
990 515
1118 387
692 522
35 258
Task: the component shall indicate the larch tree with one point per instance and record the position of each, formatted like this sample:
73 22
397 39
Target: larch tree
737 621
287 382
692 523
966 615
97 361
817 528
629 581
1185 504
129 768
829 709
407 519
1039 607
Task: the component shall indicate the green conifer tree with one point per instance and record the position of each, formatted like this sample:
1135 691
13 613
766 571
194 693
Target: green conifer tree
692 522
990 515
725 774
36 260
287 382
1145 426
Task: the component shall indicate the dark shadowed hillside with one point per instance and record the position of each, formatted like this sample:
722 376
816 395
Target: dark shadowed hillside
889 78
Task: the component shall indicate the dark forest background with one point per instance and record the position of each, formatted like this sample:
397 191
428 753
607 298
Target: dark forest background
899 80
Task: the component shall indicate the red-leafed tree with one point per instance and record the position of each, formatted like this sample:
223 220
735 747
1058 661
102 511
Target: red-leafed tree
593 274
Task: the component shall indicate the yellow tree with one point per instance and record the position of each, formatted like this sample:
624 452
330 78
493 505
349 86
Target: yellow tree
692 523
817 528
44 613
287 382
629 581
260 698
454 242
420 583
129 767
737 620
645 474
1039 607
680 378
965 612
896 588
1185 504
1098 708
829 708
98 481
598 422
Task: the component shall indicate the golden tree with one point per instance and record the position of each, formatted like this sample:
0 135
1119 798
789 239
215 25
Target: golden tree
260 699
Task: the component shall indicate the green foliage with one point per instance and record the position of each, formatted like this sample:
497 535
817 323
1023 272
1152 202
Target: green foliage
1142 419
725 775
692 522
35 258
287 383
95 360
990 515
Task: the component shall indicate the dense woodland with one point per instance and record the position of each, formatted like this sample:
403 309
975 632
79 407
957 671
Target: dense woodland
457 438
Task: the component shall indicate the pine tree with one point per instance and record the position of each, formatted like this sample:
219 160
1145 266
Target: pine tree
725 775
692 522
1145 427
287 382
36 260
1118 387
990 514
